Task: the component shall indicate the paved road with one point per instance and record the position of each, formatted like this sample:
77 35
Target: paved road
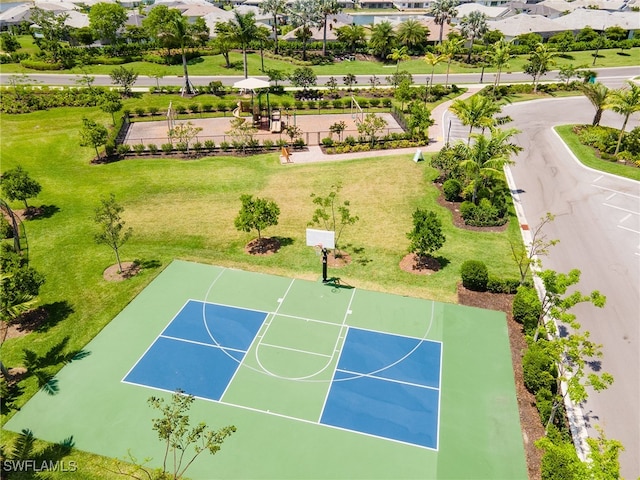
598 224
614 77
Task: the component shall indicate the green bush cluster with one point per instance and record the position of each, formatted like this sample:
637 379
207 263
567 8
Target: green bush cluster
502 285
485 214
6 230
538 368
475 275
527 309
452 189
24 98
605 141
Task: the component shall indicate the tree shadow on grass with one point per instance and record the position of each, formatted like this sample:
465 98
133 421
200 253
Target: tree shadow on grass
41 366
148 264
41 212
47 458
47 316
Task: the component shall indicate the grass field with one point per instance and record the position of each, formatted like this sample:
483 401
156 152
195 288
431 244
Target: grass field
215 65
185 209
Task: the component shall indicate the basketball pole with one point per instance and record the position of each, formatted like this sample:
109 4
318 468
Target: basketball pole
324 265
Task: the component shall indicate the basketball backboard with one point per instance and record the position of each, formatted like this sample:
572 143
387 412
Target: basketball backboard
326 238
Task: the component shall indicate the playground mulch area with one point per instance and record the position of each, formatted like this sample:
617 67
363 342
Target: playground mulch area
314 128
322 380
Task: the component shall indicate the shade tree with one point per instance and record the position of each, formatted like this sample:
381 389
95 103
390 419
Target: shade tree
256 214
18 185
92 134
426 236
106 19
626 102
332 213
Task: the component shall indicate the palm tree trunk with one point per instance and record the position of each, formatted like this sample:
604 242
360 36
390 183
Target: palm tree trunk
324 38
441 31
624 125
187 84
244 61
275 32
304 50
597 117
470 49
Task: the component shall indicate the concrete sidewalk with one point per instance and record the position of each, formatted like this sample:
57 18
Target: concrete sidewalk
437 136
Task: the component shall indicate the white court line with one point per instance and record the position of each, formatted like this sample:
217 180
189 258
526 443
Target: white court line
154 341
439 398
262 344
326 397
632 212
627 228
616 191
256 339
229 306
401 382
309 319
202 343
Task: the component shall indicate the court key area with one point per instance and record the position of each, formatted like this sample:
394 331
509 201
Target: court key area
321 381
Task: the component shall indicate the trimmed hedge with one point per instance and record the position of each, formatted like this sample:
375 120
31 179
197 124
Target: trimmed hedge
475 275
527 308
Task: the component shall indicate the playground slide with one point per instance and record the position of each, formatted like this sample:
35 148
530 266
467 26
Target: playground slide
236 111
276 126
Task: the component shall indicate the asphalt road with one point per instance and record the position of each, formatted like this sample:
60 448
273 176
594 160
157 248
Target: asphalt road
614 77
598 225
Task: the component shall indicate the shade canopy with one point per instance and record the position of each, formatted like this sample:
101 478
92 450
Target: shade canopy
251 84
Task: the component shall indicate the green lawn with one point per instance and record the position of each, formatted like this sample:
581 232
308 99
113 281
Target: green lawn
215 65
185 209
588 157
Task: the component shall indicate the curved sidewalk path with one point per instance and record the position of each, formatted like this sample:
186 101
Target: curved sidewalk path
436 139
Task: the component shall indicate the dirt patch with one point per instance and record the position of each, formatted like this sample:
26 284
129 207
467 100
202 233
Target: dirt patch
129 269
263 246
338 260
530 423
413 263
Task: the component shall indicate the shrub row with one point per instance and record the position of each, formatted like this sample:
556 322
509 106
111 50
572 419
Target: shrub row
208 146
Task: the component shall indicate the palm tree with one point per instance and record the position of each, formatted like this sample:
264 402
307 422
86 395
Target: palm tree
477 112
382 39
626 102
473 26
499 58
327 7
399 54
186 34
448 49
598 95
540 61
413 35
443 11
243 29
275 8
433 59
352 35
485 157
305 14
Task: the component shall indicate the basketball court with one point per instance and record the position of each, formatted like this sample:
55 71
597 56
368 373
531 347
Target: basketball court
321 380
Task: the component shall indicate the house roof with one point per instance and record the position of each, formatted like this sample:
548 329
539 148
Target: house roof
598 19
523 23
565 6
318 33
490 12
77 19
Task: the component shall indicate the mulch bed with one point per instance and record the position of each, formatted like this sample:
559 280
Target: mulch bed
129 269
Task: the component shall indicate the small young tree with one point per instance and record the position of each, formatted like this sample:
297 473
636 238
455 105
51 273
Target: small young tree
338 128
174 429
185 132
419 121
573 349
18 185
293 131
242 131
426 236
331 214
111 105
256 214
371 126
303 77
349 80
124 77
527 257
93 135
111 226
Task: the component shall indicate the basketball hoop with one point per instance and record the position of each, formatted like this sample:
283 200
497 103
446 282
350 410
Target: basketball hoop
318 249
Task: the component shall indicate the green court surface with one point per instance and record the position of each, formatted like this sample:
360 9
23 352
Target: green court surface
277 394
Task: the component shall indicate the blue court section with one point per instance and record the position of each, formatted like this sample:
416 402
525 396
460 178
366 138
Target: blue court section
387 386
199 351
